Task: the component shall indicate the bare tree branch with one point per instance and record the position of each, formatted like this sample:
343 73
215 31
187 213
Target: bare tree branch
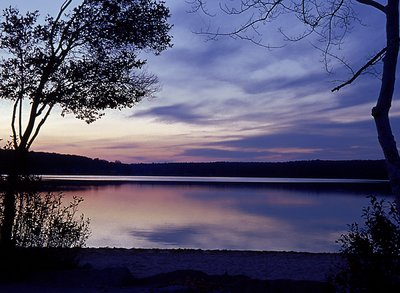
20 116
371 62
329 21
57 19
373 4
14 131
39 126
199 6
341 60
269 8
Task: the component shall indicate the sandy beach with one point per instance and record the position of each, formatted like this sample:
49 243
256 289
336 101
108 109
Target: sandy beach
254 264
186 270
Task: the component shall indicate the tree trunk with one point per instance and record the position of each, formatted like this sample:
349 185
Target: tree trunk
13 186
9 212
381 111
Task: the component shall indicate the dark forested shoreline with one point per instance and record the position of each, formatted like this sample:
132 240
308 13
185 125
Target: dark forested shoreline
52 163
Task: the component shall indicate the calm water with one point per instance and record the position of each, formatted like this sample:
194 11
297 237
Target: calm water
219 214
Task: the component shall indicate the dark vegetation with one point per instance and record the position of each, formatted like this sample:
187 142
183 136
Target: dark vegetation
40 219
44 233
20 263
43 220
51 163
45 236
372 251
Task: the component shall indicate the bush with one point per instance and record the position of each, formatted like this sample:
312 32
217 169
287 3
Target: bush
46 234
372 251
43 221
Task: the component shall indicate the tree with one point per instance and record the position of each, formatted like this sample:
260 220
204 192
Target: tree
84 60
330 21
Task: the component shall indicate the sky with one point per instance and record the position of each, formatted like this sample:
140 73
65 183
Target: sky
231 100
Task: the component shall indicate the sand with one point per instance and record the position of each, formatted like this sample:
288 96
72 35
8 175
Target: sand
185 270
258 265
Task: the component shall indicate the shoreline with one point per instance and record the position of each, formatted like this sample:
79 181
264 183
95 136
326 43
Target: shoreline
262 265
178 270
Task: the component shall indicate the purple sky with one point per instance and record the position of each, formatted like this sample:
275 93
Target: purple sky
229 100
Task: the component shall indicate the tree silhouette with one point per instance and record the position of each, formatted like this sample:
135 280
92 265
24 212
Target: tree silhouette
84 60
330 21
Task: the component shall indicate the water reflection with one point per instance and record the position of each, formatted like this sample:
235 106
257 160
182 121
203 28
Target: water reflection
220 216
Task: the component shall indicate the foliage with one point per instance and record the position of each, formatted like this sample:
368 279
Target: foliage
84 60
42 220
373 251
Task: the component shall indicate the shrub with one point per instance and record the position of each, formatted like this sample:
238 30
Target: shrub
46 234
372 251
43 221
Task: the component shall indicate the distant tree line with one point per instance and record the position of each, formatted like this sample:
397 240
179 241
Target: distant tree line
52 163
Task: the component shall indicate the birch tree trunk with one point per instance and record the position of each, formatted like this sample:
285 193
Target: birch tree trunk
381 111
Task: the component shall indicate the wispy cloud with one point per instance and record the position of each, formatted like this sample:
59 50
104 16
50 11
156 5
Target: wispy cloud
173 113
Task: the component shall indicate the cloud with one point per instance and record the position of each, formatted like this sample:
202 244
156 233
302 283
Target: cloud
309 134
308 141
223 154
120 146
173 113
276 154
307 83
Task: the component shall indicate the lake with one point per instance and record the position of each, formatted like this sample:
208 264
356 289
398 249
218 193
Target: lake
219 213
